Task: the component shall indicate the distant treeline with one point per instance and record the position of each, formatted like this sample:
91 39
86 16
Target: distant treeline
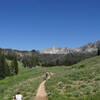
48 60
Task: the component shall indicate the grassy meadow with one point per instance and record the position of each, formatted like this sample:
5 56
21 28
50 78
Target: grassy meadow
26 82
77 82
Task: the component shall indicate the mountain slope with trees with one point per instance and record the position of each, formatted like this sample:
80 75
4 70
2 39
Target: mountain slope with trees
53 56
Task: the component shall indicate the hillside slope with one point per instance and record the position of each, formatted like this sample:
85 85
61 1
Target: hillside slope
78 82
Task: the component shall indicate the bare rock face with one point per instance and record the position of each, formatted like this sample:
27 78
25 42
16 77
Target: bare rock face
89 48
55 50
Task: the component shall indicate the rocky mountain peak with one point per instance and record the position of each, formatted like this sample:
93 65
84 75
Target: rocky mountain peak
89 47
56 50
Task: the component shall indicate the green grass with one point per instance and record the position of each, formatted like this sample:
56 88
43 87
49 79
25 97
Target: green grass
26 82
77 82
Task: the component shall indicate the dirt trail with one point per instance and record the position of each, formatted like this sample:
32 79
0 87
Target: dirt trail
41 92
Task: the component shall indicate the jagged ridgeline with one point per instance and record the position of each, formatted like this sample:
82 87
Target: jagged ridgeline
53 56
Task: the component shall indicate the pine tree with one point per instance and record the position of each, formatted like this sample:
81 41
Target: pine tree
7 69
98 53
14 66
2 66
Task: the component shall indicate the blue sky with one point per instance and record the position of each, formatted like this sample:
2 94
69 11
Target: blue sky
40 24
